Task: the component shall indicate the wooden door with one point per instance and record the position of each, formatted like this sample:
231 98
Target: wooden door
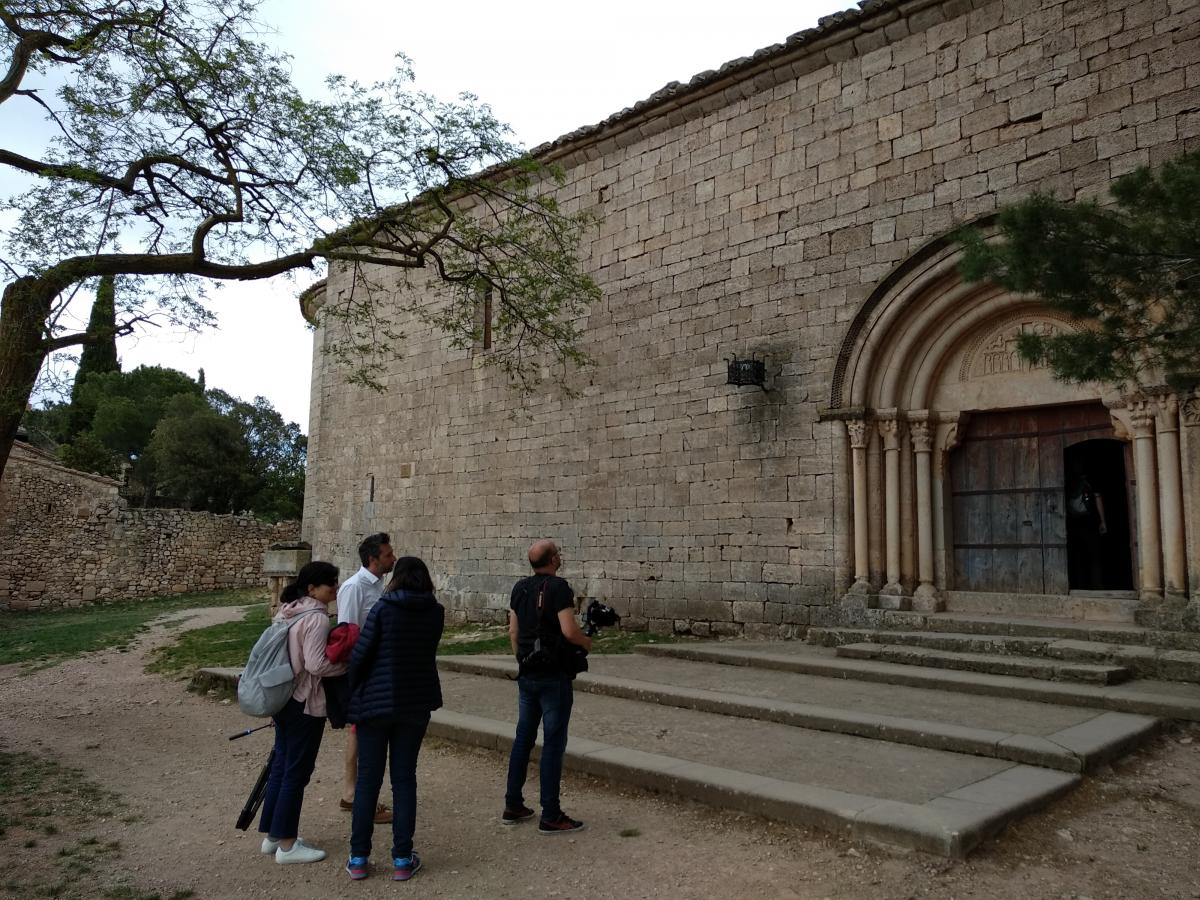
1008 521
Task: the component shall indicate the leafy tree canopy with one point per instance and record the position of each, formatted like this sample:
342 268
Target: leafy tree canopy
182 153
126 406
183 446
1130 269
200 457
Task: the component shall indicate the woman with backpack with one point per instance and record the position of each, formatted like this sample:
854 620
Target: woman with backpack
301 722
393 688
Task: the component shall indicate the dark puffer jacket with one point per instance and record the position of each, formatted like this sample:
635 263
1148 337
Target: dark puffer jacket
393 669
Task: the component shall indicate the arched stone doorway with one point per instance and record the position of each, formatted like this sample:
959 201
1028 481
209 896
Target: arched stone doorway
927 356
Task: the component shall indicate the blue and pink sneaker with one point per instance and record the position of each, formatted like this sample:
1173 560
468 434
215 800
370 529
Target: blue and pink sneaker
357 867
406 867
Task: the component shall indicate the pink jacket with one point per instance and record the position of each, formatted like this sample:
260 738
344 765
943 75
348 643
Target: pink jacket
306 648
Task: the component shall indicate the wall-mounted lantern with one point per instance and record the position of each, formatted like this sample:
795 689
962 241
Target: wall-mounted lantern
746 371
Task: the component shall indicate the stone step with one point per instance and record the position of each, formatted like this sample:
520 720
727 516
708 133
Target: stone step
1143 661
1071 629
1068 740
932 640
1163 699
945 804
1021 666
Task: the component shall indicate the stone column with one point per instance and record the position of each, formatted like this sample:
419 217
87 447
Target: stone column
889 430
1170 493
856 429
1189 414
925 596
1145 464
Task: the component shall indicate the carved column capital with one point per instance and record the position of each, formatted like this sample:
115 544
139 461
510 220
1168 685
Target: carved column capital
1142 412
1189 409
889 430
922 439
857 431
1166 408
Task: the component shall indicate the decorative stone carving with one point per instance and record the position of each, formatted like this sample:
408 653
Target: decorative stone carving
995 352
1142 412
889 430
922 440
1189 410
857 430
1166 408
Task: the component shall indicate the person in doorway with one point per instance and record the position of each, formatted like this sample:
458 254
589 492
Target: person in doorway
1087 525
354 601
542 612
394 686
300 724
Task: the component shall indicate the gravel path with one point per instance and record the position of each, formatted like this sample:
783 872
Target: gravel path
1134 833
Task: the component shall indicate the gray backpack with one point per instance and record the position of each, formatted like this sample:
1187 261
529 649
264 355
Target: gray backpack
268 680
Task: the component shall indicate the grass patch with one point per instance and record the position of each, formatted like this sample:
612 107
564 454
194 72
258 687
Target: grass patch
459 640
76 859
631 832
45 637
227 644
33 788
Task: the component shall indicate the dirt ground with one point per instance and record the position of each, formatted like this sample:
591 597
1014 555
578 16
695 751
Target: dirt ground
1132 832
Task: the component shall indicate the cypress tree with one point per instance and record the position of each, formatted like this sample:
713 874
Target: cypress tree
99 355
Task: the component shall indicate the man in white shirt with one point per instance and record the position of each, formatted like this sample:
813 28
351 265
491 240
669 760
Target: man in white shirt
355 598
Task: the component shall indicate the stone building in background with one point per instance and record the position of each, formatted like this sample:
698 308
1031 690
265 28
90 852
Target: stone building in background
794 207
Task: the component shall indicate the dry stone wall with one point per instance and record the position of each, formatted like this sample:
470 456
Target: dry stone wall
750 213
67 538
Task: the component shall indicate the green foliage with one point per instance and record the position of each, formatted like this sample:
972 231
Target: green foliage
199 457
1129 270
463 640
186 447
277 454
87 453
46 637
48 426
99 356
129 405
182 152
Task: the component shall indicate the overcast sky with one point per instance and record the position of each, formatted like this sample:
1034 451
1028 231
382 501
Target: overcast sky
545 68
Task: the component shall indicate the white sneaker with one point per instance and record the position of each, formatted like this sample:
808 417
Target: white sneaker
269 846
300 853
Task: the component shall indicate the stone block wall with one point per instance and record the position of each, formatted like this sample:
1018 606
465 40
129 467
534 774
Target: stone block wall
752 212
67 538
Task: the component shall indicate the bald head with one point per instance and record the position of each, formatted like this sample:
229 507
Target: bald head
543 556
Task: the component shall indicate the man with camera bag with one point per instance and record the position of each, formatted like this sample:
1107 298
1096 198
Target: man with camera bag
550 649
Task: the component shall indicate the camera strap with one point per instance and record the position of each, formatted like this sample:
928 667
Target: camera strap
538 632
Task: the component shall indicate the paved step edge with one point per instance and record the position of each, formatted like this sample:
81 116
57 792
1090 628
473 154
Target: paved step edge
1020 666
951 825
965 642
1077 752
1143 660
1063 693
1018 627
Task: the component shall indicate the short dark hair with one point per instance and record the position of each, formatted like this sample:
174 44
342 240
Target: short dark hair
410 574
289 594
315 574
545 558
372 547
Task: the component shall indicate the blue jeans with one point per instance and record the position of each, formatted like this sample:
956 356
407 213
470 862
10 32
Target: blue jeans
297 740
403 737
548 701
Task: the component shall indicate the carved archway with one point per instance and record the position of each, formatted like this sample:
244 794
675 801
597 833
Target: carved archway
926 350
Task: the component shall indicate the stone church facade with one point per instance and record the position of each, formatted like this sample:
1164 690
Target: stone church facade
795 207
